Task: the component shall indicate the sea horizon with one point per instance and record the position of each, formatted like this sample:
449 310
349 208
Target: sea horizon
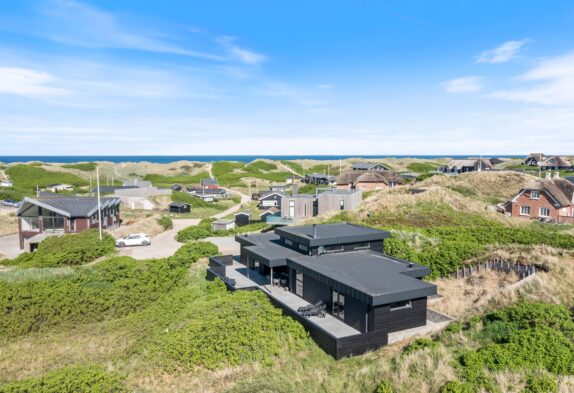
164 159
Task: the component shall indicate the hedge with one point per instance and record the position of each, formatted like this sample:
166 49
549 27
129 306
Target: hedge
203 230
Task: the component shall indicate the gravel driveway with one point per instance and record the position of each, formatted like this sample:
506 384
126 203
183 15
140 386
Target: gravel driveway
163 245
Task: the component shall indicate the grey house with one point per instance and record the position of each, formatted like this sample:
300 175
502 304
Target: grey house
271 199
367 295
320 179
301 206
369 166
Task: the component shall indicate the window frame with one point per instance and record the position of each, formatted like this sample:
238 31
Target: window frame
523 207
543 215
535 195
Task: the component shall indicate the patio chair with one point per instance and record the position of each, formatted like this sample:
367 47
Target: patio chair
310 307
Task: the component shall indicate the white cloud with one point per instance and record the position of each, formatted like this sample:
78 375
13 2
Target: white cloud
325 86
467 84
502 54
27 82
554 78
75 23
239 53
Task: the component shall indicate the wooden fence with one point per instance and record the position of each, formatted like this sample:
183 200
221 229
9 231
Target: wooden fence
521 270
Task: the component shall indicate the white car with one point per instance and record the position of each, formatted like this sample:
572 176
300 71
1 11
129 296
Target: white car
135 239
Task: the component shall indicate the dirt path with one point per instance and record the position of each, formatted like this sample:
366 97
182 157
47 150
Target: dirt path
288 169
162 245
245 199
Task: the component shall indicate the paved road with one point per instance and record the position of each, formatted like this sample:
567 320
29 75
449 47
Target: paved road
163 245
10 246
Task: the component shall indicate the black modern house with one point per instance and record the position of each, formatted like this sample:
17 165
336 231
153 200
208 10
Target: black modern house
366 294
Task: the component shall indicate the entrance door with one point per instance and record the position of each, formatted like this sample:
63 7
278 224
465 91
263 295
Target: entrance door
291 208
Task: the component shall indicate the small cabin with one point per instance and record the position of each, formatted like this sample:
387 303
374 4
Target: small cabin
222 225
242 218
179 207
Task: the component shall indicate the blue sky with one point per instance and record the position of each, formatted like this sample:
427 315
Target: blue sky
297 77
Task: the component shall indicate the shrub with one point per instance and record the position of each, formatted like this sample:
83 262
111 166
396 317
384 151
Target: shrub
454 327
203 230
81 379
419 344
165 222
230 329
385 387
456 387
191 252
110 289
531 315
70 249
541 384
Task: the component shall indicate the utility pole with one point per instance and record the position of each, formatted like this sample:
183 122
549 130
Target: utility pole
99 202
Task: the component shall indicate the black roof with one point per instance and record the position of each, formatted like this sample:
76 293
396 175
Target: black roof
111 189
369 276
177 204
69 206
266 248
327 234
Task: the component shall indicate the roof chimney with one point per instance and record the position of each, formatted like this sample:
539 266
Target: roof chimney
557 174
314 230
548 175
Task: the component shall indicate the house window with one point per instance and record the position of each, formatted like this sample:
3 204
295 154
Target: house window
338 304
303 247
342 203
401 305
544 212
288 242
335 248
299 284
534 195
524 210
363 246
392 184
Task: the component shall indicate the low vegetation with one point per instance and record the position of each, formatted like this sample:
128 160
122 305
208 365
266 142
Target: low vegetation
168 181
263 165
82 166
203 230
165 222
422 167
294 166
80 379
26 178
66 250
110 289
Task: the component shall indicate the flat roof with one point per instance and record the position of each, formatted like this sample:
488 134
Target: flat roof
369 276
267 248
327 234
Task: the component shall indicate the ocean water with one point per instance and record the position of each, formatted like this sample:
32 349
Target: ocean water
168 159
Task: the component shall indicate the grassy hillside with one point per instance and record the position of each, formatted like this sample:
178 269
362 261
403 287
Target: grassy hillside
27 177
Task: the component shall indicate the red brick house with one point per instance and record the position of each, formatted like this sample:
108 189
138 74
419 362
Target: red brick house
551 200
46 216
368 180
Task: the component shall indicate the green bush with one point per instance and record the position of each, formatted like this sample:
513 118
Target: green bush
81 379
454 327
203 230
165 222
110 289
191 252
70 249
541 384
385 387
82 166
231 328
419 344
456 387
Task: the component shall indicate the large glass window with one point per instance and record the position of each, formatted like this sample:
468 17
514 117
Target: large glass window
299 284
338 304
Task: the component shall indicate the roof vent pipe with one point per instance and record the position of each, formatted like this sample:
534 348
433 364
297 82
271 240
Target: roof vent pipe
314 230
557 174
548 175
